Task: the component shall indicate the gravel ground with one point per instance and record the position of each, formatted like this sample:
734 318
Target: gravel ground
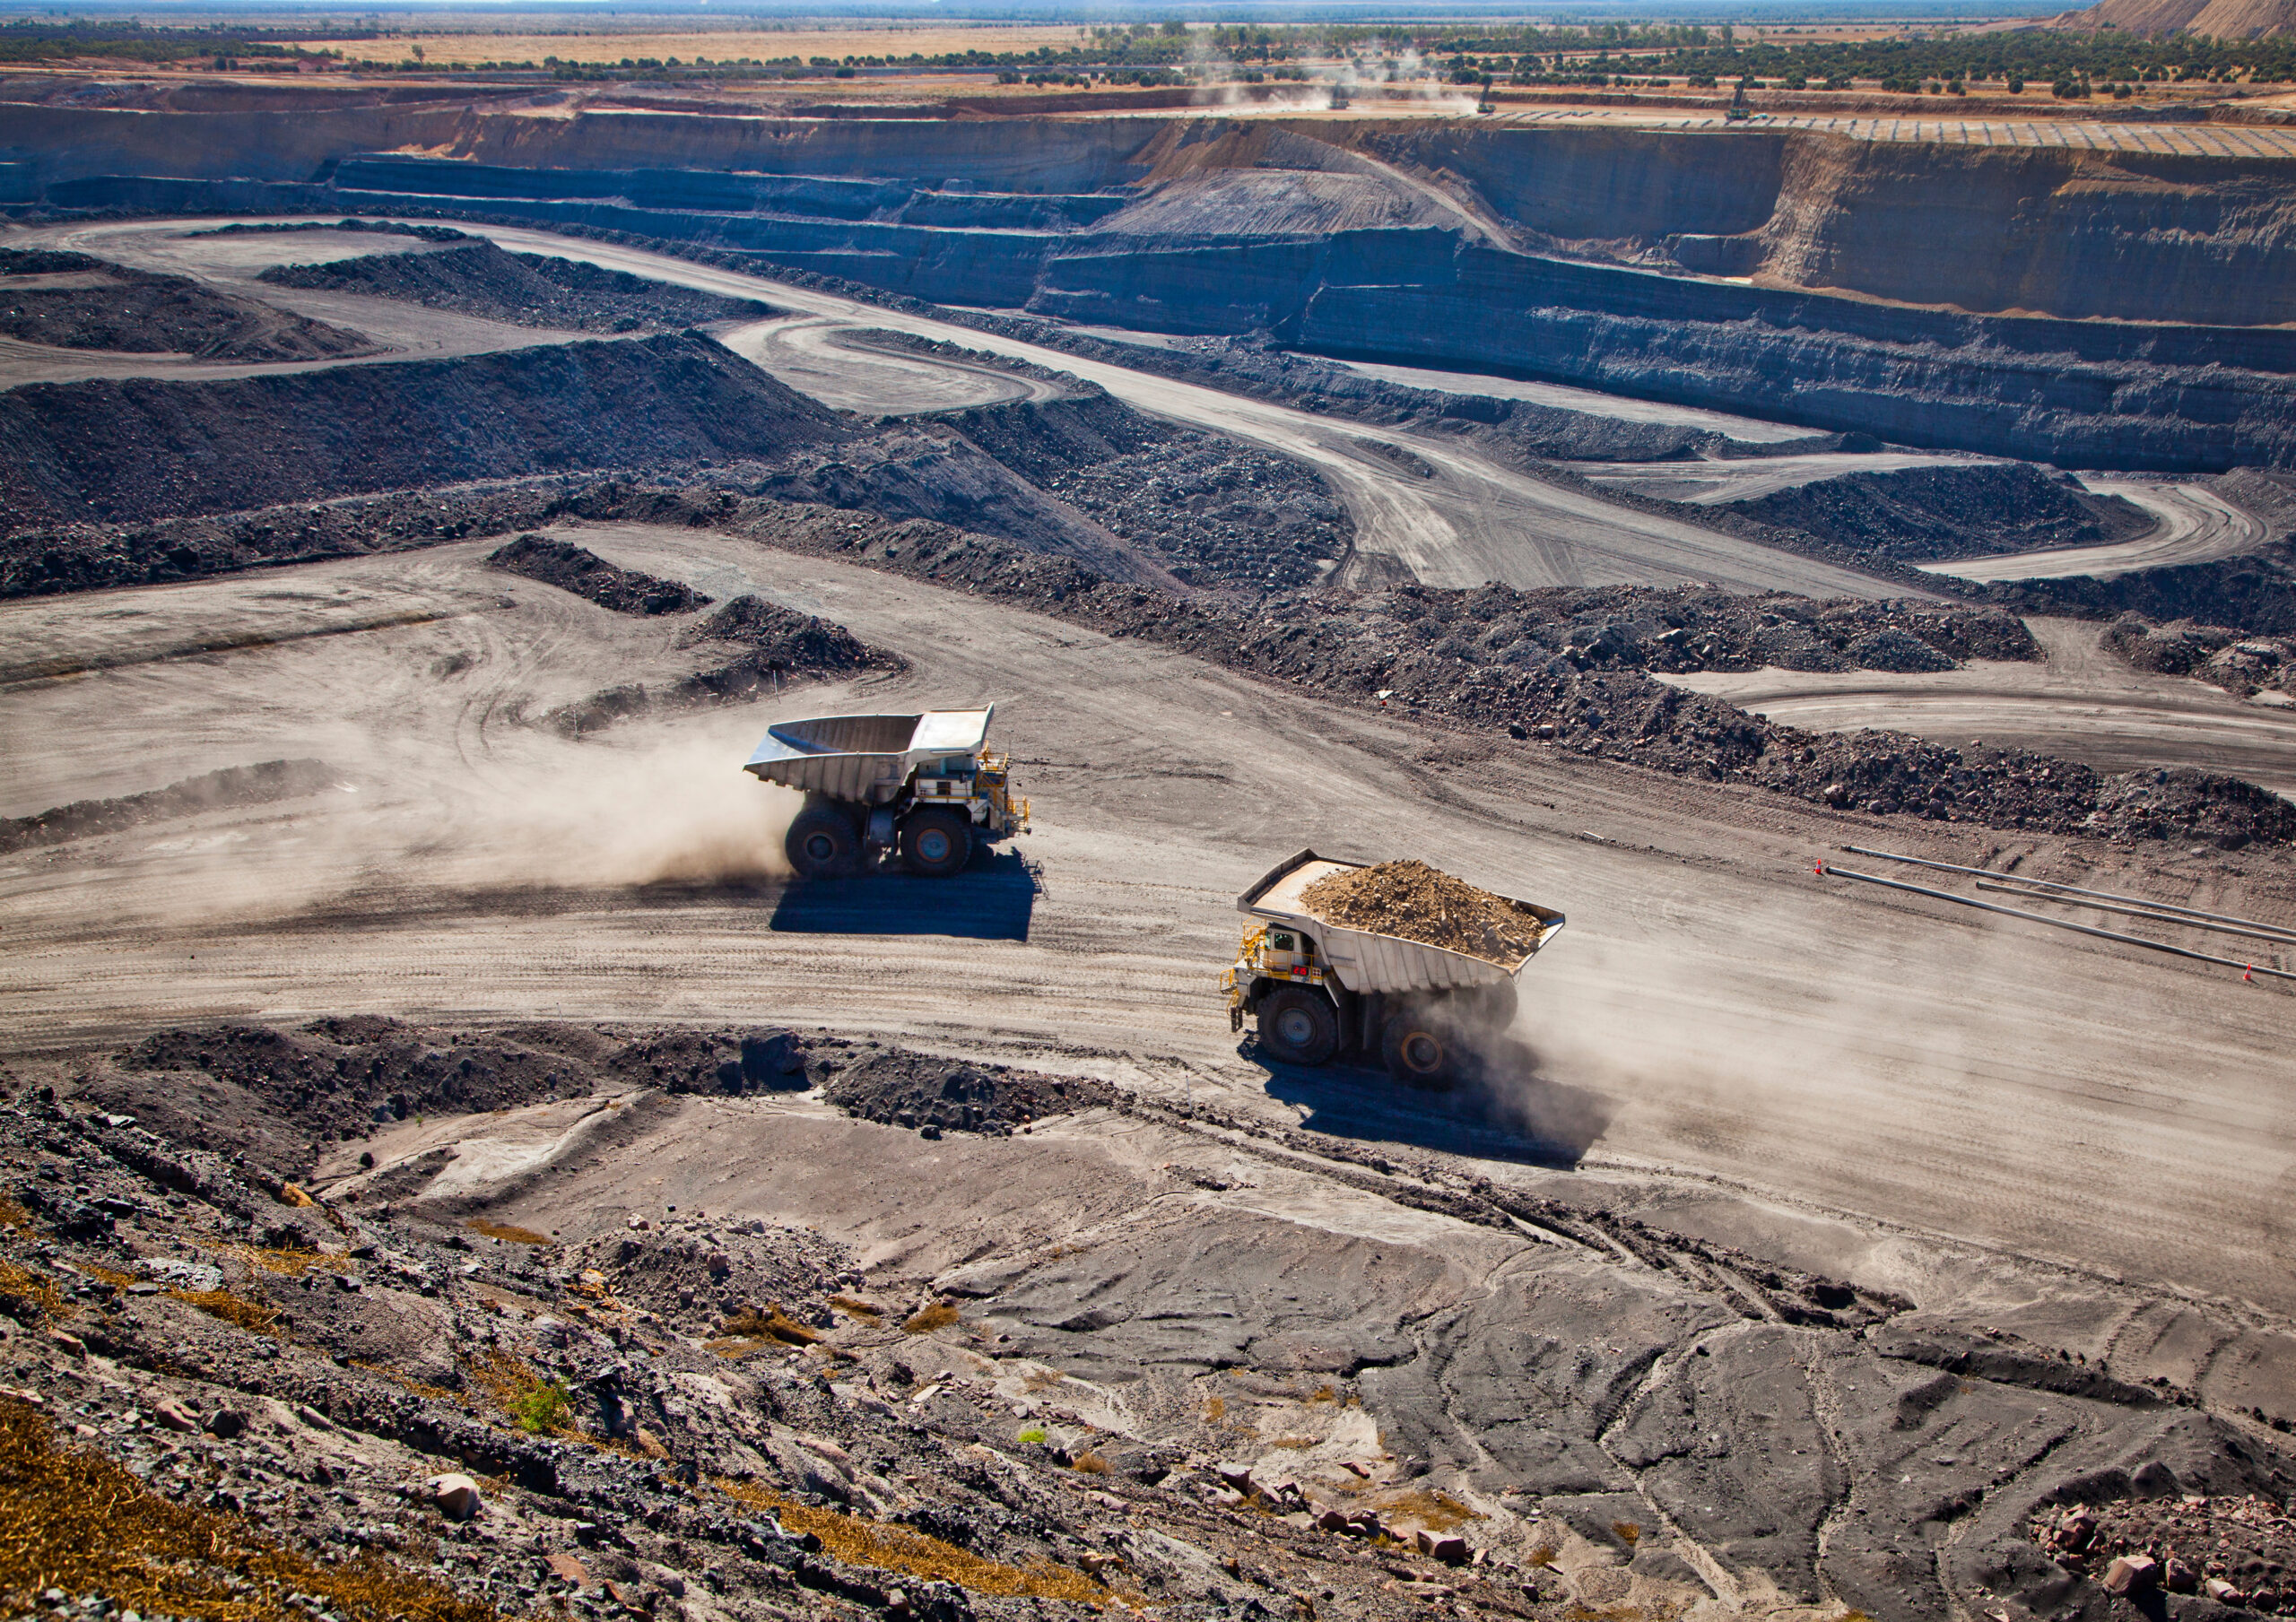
2238 1551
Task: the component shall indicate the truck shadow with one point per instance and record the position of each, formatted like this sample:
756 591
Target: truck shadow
1508 1112
993 899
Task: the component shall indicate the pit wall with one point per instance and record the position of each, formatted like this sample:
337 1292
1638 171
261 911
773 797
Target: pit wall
1552 252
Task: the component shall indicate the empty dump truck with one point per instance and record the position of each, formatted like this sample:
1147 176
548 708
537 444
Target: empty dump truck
1321 990
924 786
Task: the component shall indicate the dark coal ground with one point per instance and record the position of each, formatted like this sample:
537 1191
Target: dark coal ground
898 1088
70 300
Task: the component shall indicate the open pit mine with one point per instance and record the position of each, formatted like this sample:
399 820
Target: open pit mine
474 1151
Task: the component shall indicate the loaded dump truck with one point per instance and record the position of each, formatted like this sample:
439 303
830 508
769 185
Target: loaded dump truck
1322 990
924 786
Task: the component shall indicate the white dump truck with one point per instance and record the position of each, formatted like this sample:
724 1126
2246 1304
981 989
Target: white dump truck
924 786
1321 992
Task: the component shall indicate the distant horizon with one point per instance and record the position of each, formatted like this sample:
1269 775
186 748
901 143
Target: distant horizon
1764 13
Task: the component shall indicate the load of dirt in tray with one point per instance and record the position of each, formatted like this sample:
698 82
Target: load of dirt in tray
525 289
900 1088
75 301
233 785
2239 1552
578 569
1420 903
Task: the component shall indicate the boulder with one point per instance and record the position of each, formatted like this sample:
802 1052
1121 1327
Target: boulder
455 1496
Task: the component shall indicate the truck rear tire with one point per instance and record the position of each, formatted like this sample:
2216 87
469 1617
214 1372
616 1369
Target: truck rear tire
936 842
822 844
1421 1049
1298 1026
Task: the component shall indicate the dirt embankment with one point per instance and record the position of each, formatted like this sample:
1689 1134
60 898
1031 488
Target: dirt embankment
123 451
1915 514
2217 655
2255 594
774 646
578 569
1444 654
894 1086
257 785
477 278
1212 511
70 300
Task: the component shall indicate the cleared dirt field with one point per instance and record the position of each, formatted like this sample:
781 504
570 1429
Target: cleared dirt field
1713 1007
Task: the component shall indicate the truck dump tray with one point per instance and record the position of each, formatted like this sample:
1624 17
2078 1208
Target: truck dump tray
1366 961
865 758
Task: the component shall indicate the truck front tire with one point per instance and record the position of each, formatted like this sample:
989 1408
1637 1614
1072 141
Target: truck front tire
822 843
936 842
1298 1026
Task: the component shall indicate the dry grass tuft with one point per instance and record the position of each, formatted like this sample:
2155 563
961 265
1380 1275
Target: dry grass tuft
14 1215
889 1548
1542 1556
1090 1464
290 1194
1626 1533
855 1309
73 1520
22 1284
1437 1512
939 1315
288 1261
1216 1410
508 1233
256 1317
772 1324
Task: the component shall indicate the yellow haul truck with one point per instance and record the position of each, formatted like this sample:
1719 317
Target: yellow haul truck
925 787
1321 992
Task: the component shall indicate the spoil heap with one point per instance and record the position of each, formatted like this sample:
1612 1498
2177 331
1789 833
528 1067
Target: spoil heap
900 1088
1420 903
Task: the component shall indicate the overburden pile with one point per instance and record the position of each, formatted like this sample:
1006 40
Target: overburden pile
69 300
477 278
122 451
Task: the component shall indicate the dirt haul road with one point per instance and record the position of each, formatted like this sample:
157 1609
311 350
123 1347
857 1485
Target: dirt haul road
2080 702
2191 526
1472 521
1715 1017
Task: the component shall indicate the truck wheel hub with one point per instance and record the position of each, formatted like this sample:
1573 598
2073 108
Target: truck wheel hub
933 844
1295 1028
1422 1052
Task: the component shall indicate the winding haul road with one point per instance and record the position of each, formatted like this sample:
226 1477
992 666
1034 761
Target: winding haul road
1470 523
2191 526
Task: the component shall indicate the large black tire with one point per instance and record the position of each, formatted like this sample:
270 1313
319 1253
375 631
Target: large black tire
936 842
1421 1048
1298 1026
822 844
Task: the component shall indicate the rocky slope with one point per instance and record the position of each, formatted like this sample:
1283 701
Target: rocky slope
273 1303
